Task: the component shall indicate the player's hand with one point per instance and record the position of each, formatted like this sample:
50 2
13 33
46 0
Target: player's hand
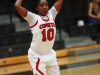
98 18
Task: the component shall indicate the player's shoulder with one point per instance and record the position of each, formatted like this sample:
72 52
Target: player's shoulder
31 13
51 9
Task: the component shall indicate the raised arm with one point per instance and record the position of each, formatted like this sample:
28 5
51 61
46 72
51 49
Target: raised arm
90 8
21 10
58 4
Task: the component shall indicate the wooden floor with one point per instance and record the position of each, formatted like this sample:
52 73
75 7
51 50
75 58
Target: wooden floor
78 59
20 63
85 70
62 61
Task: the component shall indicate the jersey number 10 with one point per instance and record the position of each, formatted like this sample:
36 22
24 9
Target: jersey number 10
47 34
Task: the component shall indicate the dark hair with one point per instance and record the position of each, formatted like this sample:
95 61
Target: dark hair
35 3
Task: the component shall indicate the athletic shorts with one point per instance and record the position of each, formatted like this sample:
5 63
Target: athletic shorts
43 64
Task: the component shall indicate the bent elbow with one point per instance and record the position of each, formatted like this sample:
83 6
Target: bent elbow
16 6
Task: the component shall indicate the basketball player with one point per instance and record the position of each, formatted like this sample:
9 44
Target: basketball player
41 21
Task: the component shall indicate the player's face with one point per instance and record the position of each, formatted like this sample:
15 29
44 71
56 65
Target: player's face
42 7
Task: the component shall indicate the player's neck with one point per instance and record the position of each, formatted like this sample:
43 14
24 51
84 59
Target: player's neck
45 18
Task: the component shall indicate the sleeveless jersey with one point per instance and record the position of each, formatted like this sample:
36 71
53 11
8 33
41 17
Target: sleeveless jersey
43 30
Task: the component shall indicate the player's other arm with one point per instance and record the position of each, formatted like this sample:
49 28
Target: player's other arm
21 10
58 4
